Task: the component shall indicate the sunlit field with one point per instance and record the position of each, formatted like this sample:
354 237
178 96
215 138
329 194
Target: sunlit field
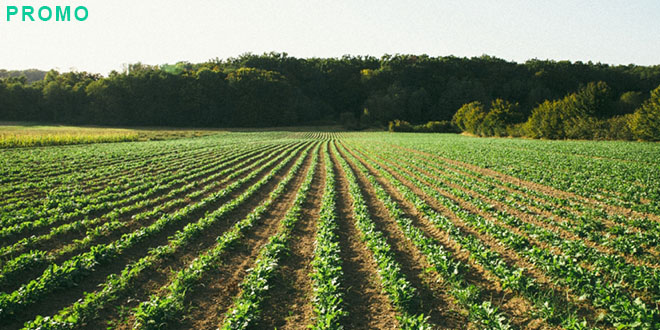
329 230
28 135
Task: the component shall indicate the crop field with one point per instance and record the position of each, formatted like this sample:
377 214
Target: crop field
19 134
329 230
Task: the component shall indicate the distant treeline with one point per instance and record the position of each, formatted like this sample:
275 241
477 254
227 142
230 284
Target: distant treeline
31 75
483 95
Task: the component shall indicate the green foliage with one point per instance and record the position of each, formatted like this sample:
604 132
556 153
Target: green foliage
26 140
441 261
436 127
629 102
272 105
31 75
348 120
545 121
616 128
476 119
327 276
66 274
158 311
430 127
645 123
399 126
599 252
576 116
248 305
275 89
366 119
400 292
601 282
501 114
470 116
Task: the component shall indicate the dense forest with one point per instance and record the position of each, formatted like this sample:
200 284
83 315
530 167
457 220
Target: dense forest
31 75
482 95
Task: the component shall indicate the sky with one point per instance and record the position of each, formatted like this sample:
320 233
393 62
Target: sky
118 32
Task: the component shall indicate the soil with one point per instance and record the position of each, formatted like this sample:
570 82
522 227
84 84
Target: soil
131 226
518 308
209 302
612 209
432 300
366 304
60 298
289 301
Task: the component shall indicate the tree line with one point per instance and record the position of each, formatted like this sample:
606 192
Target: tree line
585 114
482 95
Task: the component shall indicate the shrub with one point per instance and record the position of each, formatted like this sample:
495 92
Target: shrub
617 128
470 116
400 126
476 119
576 116
430 127
645 122
501 114
437 127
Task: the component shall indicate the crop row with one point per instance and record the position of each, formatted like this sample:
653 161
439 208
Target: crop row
451 271
611 181
34 258
57 210
142 202
86 308
87 172
247 306
327 275
588 223
547 305
399 290
97 182
89 181
57 276
616 268
624 310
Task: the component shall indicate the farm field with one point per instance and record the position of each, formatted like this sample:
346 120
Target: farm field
26 134
331 230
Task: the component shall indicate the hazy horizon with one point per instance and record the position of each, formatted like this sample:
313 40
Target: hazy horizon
122 66
160 32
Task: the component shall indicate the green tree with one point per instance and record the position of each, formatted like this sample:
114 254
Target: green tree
263 98
576 116
629 102
470 117
545 121
645 123
501 114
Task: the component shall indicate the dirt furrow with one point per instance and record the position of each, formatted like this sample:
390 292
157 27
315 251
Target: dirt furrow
509 256
145 168
211 301
157 276
547 214
366 304
531 218
491 290
61 298
289 302
433 299
99 213
64 251
612 209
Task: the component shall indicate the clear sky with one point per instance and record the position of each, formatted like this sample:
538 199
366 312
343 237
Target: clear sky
165 31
